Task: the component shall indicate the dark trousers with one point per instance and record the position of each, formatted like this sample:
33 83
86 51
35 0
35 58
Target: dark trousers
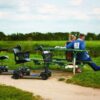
93 65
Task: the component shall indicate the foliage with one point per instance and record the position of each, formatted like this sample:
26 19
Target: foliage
2 36
91 36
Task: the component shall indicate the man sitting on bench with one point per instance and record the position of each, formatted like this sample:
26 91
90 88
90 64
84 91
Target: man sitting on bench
83 56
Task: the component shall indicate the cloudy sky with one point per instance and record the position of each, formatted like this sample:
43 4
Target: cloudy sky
49 16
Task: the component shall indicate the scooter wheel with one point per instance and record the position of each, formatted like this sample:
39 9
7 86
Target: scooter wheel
49 74
0 71
16 75
6 70
44 76
27 73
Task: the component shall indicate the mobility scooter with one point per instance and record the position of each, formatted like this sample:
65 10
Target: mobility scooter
4 68
25 72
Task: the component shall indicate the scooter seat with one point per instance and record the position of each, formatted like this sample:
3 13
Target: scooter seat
3 57
23 61
27 59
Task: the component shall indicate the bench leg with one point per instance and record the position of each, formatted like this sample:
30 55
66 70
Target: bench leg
74 64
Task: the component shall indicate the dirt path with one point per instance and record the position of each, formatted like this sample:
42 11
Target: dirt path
52 89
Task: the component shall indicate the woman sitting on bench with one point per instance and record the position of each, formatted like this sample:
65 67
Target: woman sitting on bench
69 54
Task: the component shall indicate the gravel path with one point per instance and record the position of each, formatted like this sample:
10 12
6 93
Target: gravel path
52 89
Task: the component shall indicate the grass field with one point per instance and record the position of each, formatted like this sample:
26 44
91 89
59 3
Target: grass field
11 93
87 78
31 44
93 46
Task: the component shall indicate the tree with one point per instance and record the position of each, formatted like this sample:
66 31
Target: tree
2 36
91 36
98 37
75 33
37 36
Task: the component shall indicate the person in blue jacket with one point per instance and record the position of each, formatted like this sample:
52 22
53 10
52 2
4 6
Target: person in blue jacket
83 56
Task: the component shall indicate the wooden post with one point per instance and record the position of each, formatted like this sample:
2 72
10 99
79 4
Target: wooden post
74 64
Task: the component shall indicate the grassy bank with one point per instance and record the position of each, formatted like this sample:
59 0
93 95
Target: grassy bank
11 93
88 77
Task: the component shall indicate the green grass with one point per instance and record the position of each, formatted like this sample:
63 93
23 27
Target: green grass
11 62
88 77
61 79
12 65
11 93
93 46
29 45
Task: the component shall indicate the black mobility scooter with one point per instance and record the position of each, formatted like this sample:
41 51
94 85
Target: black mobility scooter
25 72
4 68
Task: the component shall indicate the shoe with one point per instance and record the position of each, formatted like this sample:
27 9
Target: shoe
78 70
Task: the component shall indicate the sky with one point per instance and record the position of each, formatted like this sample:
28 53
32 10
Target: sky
49 16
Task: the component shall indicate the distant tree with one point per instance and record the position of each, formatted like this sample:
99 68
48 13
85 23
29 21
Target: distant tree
2 36
91 36
20 36
13 37
37 36
75 33
98 37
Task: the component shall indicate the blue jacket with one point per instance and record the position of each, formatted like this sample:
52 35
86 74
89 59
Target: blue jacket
79 44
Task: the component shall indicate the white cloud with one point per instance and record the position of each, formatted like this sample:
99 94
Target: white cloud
33 10
96 11
76 2
47 9
3 14
8 2
23 7
60 13
51 13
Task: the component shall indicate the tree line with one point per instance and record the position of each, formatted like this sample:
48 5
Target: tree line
37 36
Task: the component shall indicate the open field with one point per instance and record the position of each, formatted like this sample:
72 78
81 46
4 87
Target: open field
93 46
87 78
